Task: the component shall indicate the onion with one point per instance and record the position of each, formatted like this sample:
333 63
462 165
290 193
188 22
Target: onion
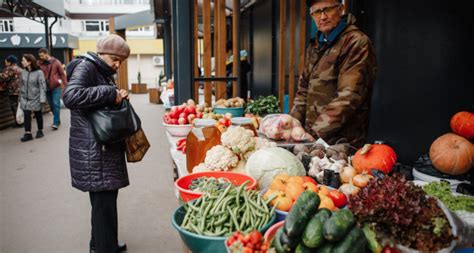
349 189
362 180
347 173
297 133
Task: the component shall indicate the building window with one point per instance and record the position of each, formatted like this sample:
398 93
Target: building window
6 25
95 25
141 29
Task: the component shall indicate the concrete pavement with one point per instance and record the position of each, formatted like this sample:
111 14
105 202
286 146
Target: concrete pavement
41 212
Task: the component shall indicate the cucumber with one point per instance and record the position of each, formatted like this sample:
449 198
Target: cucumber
340 223
313 233
325 248
369 234
276 241
301 248
354 242
301 212
289 244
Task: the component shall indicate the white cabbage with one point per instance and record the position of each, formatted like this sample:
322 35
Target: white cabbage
265 163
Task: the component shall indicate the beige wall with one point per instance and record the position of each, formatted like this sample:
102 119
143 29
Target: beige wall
149 72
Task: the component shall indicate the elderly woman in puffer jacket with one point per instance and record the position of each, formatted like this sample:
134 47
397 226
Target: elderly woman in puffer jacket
32 95
98 169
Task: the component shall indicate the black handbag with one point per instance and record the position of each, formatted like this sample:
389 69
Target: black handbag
114 123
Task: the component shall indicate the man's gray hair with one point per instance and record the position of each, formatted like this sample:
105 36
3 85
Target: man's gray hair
310 3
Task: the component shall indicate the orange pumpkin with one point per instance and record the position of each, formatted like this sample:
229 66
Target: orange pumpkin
462 123
452 154
374 156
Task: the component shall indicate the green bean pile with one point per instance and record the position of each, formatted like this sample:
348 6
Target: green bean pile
211 184
222 213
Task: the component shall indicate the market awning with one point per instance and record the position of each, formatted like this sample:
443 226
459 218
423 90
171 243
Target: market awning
32 9
139 19
37 40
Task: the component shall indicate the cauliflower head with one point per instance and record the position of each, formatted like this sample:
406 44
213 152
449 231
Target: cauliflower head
221 158
238 139
264 143
202 167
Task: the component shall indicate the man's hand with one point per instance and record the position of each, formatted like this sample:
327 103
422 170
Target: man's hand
121 94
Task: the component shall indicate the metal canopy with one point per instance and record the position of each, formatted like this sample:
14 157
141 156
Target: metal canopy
36 10
139 19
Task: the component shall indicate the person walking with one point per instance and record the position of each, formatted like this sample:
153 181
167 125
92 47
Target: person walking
32 95
98 169
56 81
11 79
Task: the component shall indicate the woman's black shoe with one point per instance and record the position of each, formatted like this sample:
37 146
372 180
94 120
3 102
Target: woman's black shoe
26 137
39 134
122 247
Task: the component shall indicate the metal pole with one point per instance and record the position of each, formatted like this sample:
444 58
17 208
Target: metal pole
183 50
167 41
237 48
50 46
46 34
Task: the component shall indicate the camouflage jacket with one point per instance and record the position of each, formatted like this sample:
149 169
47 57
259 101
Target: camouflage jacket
11 78
334 90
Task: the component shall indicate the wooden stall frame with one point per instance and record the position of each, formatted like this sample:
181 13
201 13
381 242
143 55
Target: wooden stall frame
281 55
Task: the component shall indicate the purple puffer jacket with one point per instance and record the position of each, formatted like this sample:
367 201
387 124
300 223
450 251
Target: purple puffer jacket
94 167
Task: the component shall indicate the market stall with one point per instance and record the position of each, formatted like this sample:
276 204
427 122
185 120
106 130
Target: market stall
307 195
295 192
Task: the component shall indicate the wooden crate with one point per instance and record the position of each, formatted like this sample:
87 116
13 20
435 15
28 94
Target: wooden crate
139 88
154 96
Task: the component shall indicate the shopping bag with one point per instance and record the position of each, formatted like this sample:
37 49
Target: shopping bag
136 146
20 117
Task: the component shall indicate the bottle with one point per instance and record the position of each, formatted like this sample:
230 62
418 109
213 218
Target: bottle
245 123
202 137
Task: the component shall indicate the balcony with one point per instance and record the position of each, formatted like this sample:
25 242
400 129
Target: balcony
113 7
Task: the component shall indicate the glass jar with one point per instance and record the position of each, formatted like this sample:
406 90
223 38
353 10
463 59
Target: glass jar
245 123
202 137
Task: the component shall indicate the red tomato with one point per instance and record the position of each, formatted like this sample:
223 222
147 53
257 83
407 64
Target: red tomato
309 179
338 198
241 238
247 250
182 121
191 118
255 237
230 241
199 115
188 110
388 249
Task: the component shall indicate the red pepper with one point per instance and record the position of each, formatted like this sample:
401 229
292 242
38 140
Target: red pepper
338 198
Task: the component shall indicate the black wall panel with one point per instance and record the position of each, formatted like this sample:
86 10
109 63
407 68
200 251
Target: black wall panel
425 69
262 51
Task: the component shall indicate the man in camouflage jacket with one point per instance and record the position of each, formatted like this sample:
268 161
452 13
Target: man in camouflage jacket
10 79
334 90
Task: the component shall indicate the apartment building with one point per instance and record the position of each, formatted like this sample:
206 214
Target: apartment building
86 21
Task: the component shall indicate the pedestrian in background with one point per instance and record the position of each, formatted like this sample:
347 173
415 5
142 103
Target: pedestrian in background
55 80
32 95
11 79
98 169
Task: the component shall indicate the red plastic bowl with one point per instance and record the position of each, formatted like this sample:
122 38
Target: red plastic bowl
182 184
272 230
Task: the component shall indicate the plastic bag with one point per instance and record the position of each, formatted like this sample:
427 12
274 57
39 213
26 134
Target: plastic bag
284 127
20 117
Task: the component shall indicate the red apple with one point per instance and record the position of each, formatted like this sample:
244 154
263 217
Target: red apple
199 115
174 121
